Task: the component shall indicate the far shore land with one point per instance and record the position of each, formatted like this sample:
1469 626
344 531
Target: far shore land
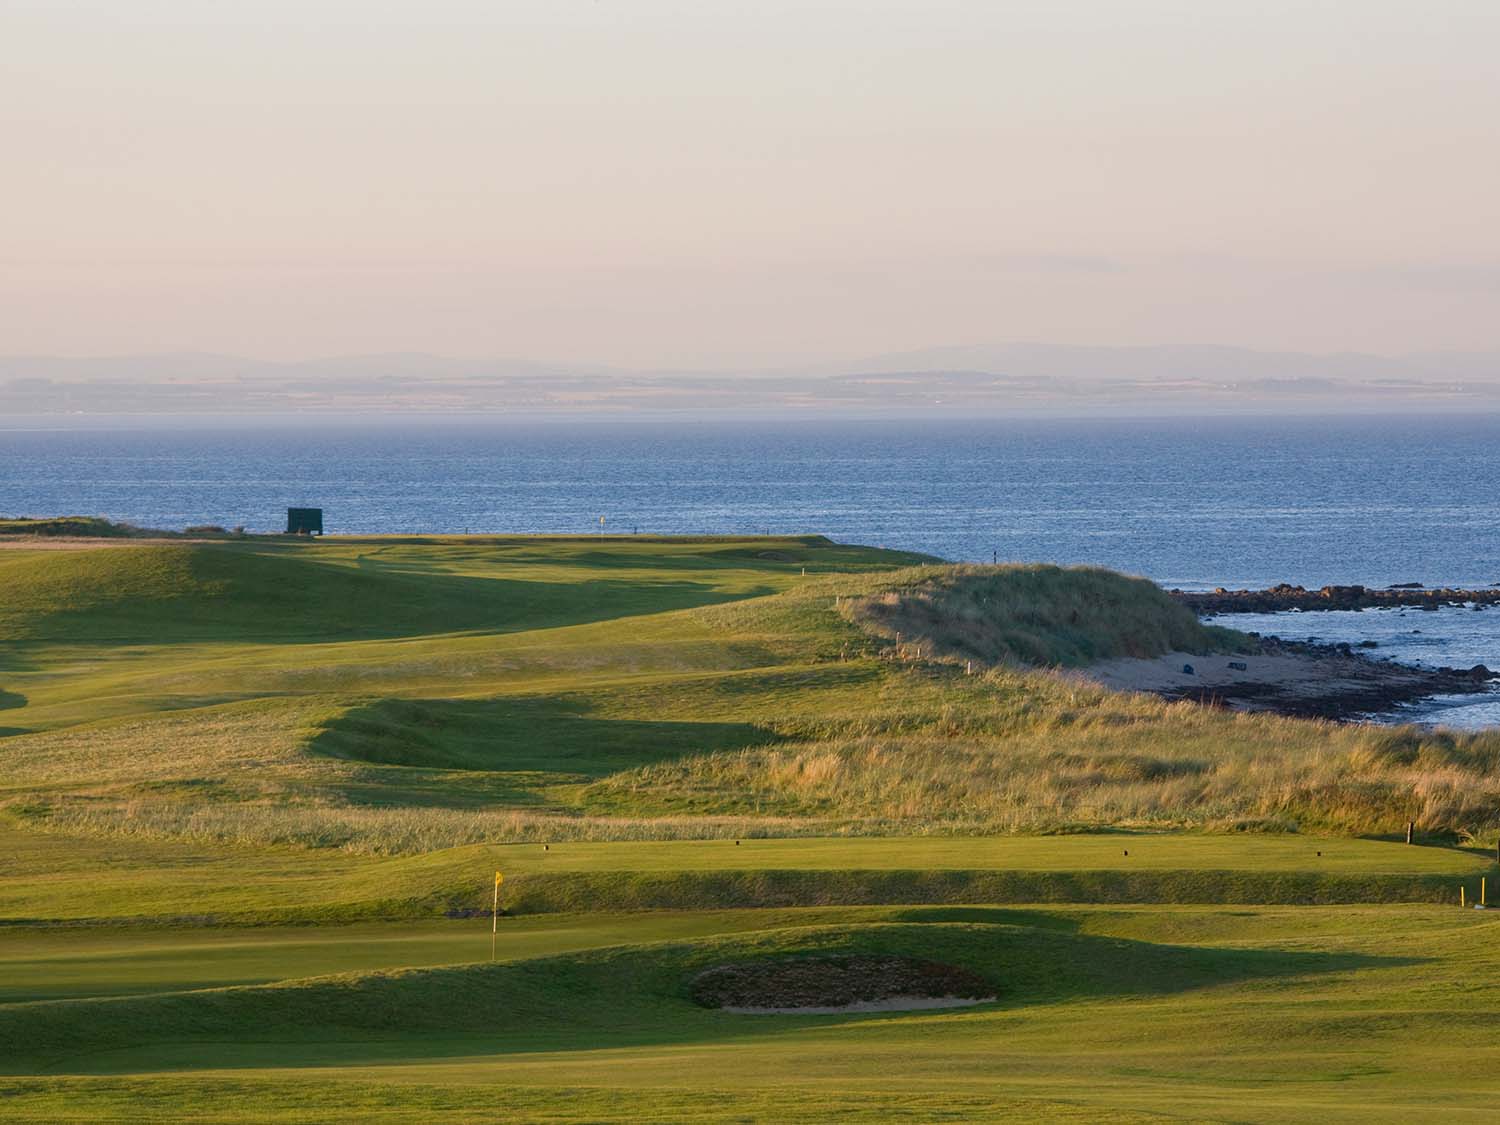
1280 599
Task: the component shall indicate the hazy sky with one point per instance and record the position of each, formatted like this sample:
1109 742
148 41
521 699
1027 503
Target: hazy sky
655 183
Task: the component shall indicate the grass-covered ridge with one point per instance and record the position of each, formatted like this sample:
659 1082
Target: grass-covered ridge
92 527
622 996
286 588
1277 1014
1039 615
253 794
401 696
212 592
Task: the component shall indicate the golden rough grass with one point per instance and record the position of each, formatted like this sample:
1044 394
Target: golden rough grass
934 752
396 831
859 739
1045 755
1032 614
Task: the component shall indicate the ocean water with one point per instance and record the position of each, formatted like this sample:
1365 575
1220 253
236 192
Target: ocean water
1188 502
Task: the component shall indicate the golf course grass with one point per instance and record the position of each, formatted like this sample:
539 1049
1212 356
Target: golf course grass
255 792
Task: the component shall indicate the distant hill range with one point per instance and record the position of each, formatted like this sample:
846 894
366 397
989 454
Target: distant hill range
1001 379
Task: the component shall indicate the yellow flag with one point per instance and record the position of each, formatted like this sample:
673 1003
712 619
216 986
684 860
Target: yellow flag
495 917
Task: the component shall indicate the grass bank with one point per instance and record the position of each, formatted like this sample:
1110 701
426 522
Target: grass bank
1268 1014
396 697
246 783
1032 615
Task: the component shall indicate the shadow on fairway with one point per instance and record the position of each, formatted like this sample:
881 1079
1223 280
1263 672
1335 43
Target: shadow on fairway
548 734
10 701
987 915
601 999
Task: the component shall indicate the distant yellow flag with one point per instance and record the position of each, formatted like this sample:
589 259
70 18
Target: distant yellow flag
495 915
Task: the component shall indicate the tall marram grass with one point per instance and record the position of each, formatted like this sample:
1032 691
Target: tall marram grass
391 831
855 741
1007 752
1044 755
1036 615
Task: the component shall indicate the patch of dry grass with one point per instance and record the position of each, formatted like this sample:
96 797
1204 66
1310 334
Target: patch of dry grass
863 735
1037 615
1041 754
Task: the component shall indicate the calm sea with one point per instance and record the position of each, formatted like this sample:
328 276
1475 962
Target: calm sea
1188 502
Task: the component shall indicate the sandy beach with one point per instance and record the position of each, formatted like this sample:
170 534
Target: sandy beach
1290 680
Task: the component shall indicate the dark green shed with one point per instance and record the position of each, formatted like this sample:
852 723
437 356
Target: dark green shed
304 521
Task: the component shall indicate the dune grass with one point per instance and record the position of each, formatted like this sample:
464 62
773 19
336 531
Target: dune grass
621 713
1033 615
91 527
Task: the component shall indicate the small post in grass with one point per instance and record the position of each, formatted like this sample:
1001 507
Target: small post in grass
1410 828
495 914
1462 901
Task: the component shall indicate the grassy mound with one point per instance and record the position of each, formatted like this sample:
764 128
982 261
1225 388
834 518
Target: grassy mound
1283 1014
151 594
639 733
271 590
528 689
1038 615
56 877
84 527
228 593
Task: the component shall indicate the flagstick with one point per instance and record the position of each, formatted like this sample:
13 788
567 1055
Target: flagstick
495 917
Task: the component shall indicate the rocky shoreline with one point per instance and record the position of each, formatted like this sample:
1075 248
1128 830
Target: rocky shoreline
1278 599
1347 685
1307 679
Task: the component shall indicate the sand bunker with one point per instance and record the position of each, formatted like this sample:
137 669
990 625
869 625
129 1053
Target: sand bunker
894 1004
830 985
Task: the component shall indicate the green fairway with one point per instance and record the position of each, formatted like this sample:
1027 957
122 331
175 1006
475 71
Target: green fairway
1115 852
1274 1014
55 879
255 790
55 964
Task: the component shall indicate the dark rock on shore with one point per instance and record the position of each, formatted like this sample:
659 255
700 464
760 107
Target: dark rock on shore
1285 596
